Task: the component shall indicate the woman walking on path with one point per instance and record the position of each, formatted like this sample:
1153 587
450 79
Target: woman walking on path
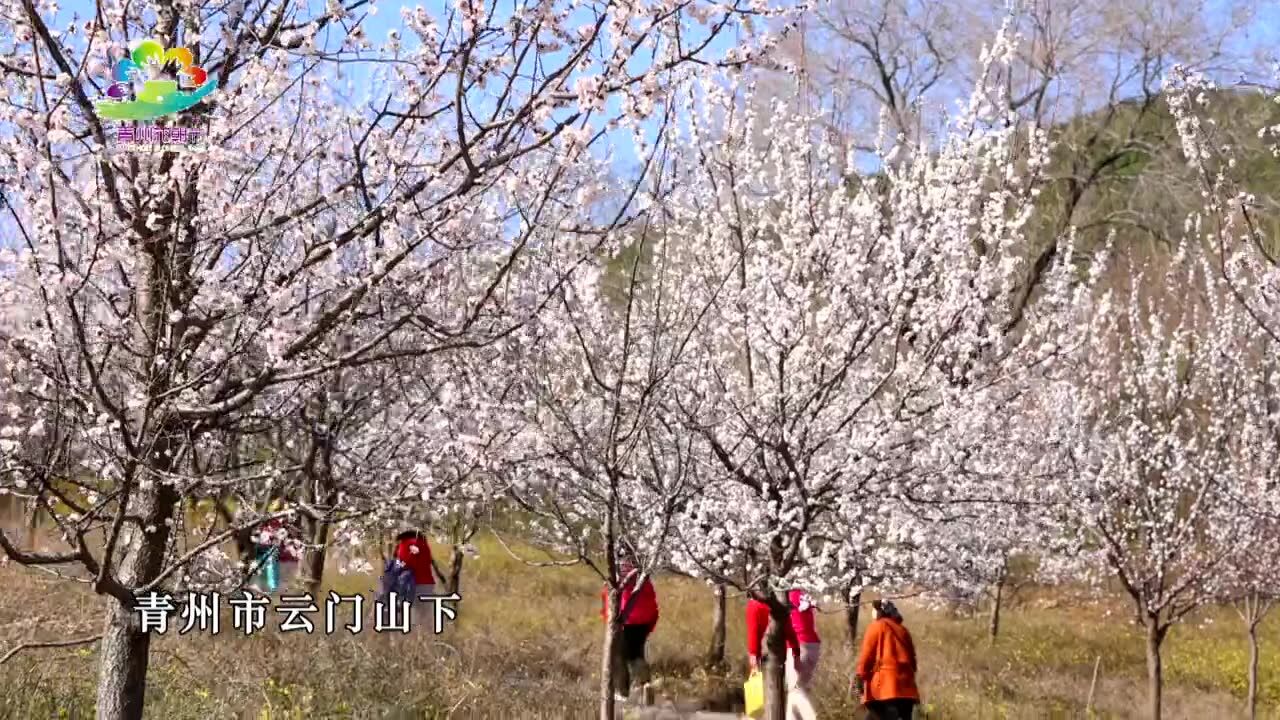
804 623
802 648
886 667
637 622
757 624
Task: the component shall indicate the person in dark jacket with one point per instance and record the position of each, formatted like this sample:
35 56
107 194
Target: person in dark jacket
638 619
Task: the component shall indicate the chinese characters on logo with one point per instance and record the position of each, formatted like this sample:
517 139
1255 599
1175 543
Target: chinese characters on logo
149 137
249 613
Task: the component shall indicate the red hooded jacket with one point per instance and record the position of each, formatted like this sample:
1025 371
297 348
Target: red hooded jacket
645 609
419 562
758 623
803 617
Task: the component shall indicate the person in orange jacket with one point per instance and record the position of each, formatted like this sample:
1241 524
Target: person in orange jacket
886 667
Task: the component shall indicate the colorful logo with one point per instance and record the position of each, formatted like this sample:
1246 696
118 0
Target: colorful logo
146 84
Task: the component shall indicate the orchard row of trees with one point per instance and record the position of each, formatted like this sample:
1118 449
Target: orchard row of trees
759 358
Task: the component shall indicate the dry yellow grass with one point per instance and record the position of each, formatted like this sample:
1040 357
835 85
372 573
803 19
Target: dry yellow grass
526 645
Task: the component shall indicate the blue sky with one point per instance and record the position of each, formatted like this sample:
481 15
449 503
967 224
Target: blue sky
385 15
356 80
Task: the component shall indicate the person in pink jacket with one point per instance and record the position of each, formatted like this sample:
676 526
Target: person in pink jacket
804 623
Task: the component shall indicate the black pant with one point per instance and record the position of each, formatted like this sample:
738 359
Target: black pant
890 709
628 658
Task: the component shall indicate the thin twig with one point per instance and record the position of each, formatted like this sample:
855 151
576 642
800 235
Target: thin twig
531 563
50 644
1093 685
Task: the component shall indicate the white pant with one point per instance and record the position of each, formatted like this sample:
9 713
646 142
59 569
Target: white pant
800 680
799 706
801 675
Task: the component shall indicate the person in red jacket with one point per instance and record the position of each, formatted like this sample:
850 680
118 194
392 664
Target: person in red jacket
757 624
638 618
804 623
798 704
413 550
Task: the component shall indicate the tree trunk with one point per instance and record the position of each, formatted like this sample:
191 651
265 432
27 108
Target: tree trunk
1253 669
243 538
122 669
852 607
614 600
606 656
853 603
33 524
11 512
715 654
1155 673
993 627
455 570
775 676
319 486
124 650
315 556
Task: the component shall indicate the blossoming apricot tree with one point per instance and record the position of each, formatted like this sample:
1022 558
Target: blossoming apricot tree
150 298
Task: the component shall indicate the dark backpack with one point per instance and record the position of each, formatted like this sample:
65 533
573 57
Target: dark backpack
396 578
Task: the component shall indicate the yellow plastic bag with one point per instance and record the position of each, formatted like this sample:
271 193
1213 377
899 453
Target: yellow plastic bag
753 692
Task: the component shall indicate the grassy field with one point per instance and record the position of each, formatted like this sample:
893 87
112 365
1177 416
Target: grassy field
525 646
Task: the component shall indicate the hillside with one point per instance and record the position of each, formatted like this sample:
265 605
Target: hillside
1119 173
